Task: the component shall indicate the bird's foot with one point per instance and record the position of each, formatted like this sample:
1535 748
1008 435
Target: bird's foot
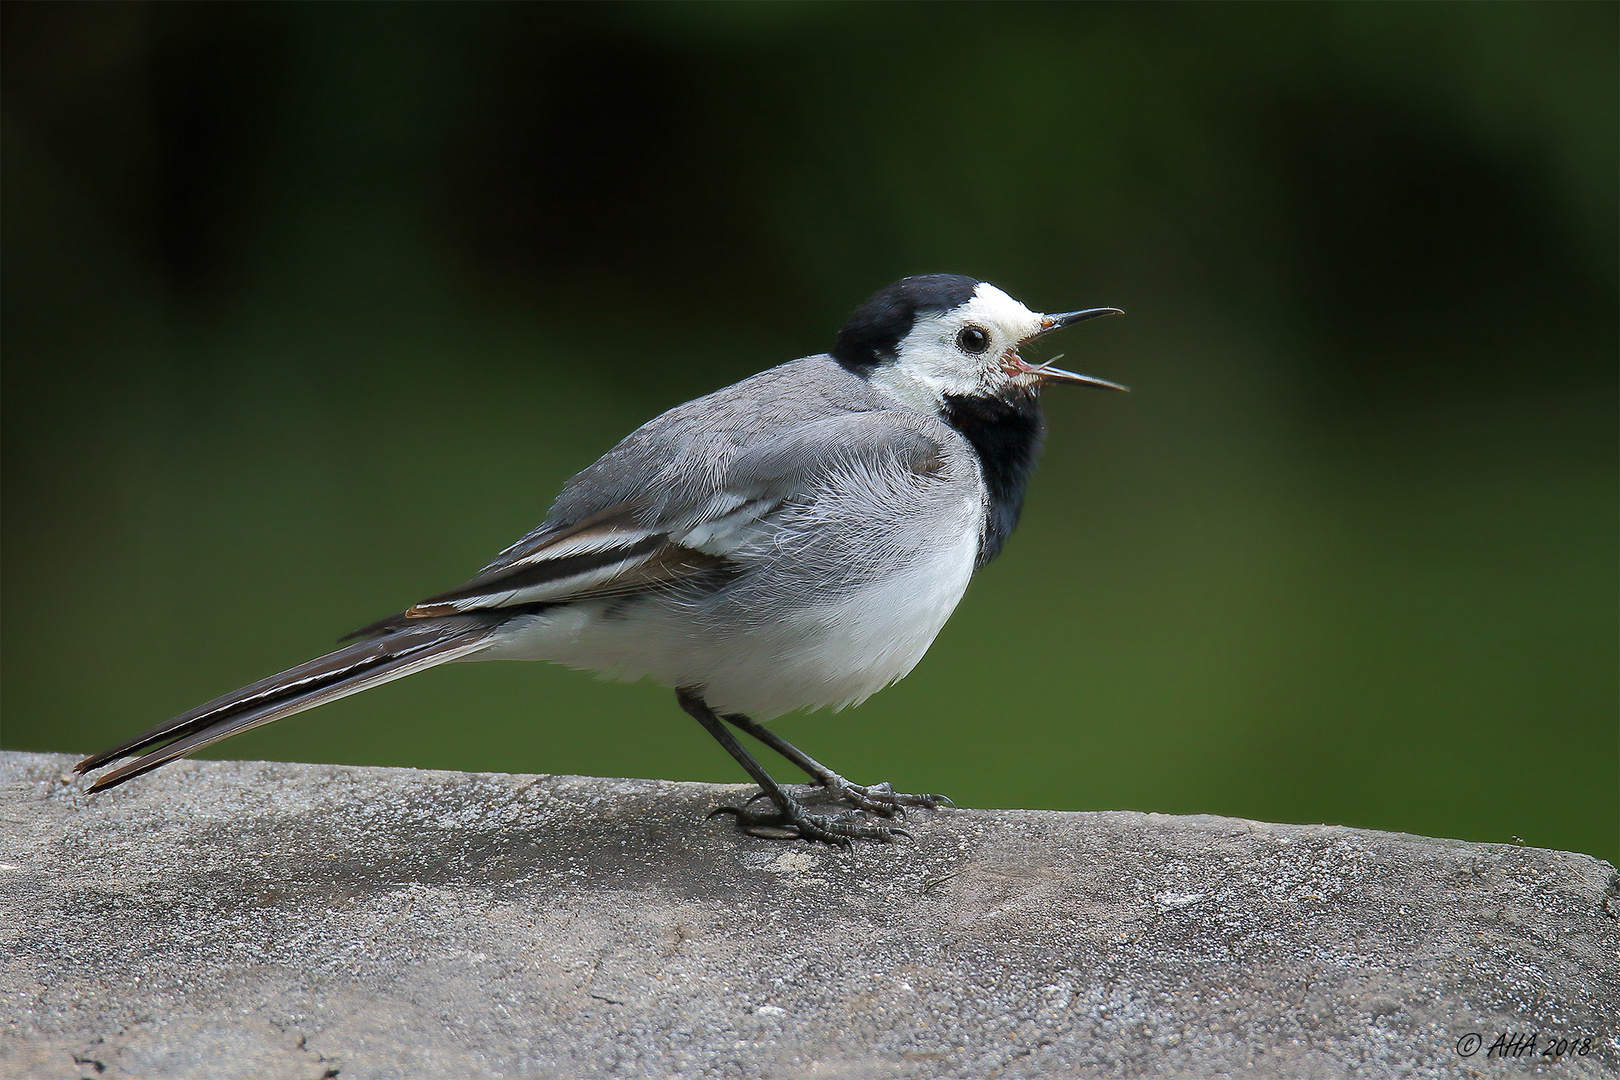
880 798
794 821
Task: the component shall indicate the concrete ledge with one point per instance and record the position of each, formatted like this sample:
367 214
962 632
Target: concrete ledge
251 919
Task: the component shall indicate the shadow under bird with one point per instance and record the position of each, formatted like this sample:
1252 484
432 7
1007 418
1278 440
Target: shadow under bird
793 541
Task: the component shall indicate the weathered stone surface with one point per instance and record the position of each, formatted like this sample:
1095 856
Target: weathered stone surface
249 919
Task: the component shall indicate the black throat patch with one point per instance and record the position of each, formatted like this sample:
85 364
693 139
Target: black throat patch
1007 435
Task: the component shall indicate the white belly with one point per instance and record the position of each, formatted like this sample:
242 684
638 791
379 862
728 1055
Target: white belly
819 656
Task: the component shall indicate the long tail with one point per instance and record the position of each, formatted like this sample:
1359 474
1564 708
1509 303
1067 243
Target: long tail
338 674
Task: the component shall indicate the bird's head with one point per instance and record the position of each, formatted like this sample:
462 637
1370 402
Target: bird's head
937 336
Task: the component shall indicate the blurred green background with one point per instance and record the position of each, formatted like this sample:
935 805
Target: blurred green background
308 310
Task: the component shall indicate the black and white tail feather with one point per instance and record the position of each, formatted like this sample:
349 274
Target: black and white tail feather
361 666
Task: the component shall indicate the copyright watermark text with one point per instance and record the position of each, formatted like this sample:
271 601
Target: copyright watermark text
1524 1044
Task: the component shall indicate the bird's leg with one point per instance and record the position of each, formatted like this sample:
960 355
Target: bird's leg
840 829
878 798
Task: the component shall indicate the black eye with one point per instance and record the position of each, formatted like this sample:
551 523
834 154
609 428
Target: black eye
972 339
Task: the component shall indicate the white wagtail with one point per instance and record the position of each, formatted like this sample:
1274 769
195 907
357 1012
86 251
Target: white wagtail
793 541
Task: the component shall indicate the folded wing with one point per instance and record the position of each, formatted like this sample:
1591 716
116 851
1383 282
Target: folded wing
663 534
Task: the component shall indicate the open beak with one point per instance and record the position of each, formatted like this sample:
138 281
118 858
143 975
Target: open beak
1048 373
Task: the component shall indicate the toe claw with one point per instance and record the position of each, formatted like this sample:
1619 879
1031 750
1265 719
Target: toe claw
838 830
881 798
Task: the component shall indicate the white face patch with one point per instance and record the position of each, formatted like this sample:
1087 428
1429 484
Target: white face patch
942 356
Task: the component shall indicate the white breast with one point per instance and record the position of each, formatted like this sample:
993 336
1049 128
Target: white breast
841 654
